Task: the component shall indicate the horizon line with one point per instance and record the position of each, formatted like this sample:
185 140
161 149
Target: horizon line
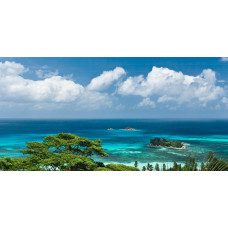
94 118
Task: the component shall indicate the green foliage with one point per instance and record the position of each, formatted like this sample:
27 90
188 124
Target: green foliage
177 144
136 164
190 164
10 163
102 169
54 162
120 167
61 152
164 167
176 167
166 143
202 167
144 168
149 167
157 167
214 164
100 164
68 162
65 142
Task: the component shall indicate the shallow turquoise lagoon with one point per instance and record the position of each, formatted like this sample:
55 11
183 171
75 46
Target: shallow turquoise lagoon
124 146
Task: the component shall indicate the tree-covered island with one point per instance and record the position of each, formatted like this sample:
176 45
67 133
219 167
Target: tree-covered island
167 143
128 129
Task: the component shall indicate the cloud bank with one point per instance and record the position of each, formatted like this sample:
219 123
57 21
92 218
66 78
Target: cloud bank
160 86
168 85
53 89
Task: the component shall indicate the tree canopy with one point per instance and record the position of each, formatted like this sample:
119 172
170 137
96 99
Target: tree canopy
62 152
66 142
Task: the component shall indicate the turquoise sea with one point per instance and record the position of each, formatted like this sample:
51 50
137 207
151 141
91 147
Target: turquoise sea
124 146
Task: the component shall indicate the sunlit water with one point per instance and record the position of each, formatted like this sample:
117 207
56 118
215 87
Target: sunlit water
124 146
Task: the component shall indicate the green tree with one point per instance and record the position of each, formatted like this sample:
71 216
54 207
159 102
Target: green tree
164 167
175 166
136 164
65 142
202 167
214 164
179 168
157 167
144 168
62 152
149 167
190 164
59 152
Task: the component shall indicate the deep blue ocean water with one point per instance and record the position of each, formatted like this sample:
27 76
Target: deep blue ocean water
124 146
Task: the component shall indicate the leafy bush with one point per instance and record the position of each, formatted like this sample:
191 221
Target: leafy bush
120 167
102 169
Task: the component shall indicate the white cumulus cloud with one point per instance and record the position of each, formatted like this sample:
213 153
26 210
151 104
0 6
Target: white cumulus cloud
51 89
161 84
11 68
46 73
103 81
55 89
169 85
225 100
165 98
146 102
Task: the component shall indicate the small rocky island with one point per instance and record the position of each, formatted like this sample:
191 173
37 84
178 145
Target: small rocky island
162 142
128 129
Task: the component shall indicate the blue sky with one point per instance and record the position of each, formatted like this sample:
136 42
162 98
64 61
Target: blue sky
113 87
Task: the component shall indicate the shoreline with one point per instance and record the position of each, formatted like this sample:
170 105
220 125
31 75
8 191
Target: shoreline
170 147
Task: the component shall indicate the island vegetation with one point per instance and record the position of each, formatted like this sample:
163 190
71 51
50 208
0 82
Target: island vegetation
68 152
62 152
167 143
212 164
